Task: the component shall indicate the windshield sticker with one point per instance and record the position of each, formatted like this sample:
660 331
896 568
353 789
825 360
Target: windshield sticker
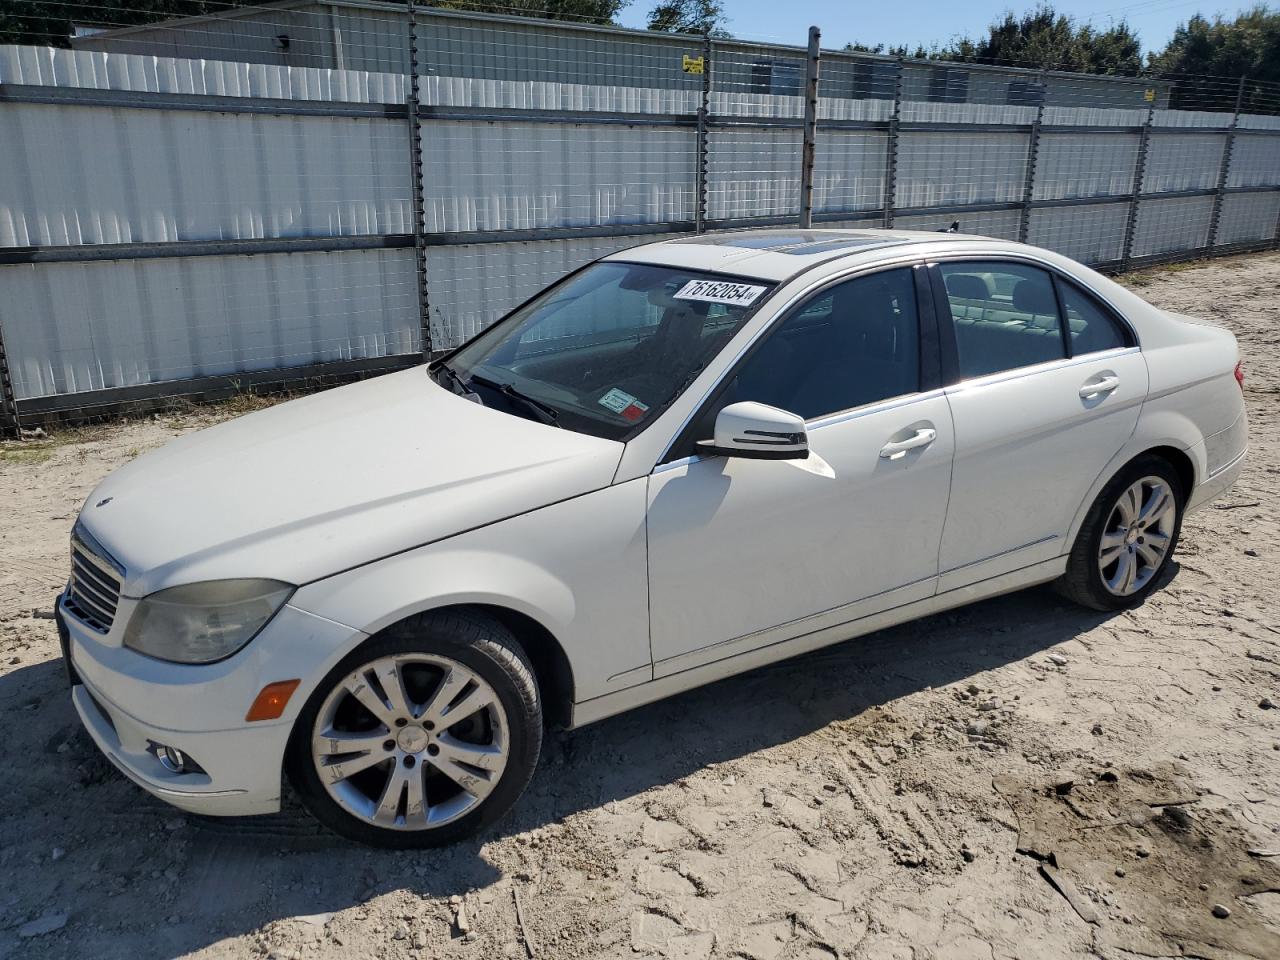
624 405
719 291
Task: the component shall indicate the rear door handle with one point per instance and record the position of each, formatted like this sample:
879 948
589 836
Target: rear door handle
1095 388
897 449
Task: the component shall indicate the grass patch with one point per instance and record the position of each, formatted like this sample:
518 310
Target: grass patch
26 454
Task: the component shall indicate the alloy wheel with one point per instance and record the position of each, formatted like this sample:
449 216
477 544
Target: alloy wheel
1137 535
410 741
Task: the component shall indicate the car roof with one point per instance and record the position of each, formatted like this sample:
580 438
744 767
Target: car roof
778 254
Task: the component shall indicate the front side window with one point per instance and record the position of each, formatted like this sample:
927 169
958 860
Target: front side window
604 351
855 343
1005 316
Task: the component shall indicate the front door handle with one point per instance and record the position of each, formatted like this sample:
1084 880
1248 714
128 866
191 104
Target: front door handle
1096 388
897 449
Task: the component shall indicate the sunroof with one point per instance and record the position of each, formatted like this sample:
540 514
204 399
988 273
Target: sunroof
796 244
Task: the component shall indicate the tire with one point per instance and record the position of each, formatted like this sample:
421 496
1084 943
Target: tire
1109 586
444 773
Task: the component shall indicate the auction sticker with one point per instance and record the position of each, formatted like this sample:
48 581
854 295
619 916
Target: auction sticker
720 291
624 404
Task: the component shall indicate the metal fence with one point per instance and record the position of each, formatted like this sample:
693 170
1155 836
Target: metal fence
173 225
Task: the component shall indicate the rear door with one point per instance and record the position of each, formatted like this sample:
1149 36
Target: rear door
1045 387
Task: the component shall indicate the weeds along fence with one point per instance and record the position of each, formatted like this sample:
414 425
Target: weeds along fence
180 215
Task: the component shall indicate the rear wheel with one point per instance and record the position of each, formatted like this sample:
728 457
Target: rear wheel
425 734
1128 537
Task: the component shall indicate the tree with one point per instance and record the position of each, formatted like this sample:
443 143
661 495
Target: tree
920 53
1216 52
688 16
1045 38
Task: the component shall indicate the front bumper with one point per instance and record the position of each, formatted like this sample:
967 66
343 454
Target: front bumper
131 704
245 777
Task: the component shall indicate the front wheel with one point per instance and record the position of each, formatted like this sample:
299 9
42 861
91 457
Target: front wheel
425 734
1128 537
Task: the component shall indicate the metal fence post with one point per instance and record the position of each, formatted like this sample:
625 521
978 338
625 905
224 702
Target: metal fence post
9 422
1224 170
1139 172
1033 153
415 170
891 150
809 152
700 169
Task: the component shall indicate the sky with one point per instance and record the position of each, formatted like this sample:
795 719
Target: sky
927 22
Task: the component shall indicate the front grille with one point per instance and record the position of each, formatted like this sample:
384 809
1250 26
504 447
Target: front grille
94 591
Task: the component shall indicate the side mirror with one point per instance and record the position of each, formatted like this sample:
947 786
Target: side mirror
758 432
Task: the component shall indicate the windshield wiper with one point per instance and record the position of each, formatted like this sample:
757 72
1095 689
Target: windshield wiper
543 412
452 374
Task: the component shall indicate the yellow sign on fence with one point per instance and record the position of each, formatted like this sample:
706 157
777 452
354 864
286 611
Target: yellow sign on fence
693 64
1149 95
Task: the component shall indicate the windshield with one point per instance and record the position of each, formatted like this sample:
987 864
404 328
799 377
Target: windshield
607 349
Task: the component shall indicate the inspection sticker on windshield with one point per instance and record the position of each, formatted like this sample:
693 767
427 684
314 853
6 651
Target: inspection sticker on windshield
720 291
624 404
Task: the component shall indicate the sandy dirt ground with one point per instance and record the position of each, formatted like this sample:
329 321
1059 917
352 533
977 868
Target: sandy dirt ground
1020 778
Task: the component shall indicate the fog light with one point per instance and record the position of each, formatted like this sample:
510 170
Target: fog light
173 759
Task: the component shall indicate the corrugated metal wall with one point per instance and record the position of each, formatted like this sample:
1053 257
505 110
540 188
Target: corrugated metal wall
75 327
849 173
1170 226
960 168
85 175
328 160
1183 162
1090 233
1075 165
520 175
1249 218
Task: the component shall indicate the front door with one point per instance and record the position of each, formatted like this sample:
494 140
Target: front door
744 553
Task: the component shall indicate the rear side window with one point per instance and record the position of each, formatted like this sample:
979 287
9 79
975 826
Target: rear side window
1092 327
1005 316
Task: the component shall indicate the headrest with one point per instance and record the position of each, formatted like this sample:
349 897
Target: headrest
1029 296
965 286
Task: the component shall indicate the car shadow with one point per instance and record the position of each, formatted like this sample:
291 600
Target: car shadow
210 878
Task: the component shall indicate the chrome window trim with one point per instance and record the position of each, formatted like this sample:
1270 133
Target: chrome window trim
853 413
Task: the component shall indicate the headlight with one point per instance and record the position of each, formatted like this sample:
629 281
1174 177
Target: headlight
203 622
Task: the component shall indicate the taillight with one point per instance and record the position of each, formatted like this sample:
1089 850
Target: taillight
1240 375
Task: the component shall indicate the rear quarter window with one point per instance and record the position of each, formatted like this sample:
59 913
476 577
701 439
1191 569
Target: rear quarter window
1092 326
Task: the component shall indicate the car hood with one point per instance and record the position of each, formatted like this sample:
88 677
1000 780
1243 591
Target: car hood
307 488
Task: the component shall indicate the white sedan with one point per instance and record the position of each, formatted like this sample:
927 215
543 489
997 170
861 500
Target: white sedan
680 462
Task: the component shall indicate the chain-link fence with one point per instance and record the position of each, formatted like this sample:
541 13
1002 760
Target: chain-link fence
316 189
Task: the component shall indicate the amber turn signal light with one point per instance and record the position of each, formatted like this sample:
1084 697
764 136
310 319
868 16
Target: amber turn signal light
271 701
